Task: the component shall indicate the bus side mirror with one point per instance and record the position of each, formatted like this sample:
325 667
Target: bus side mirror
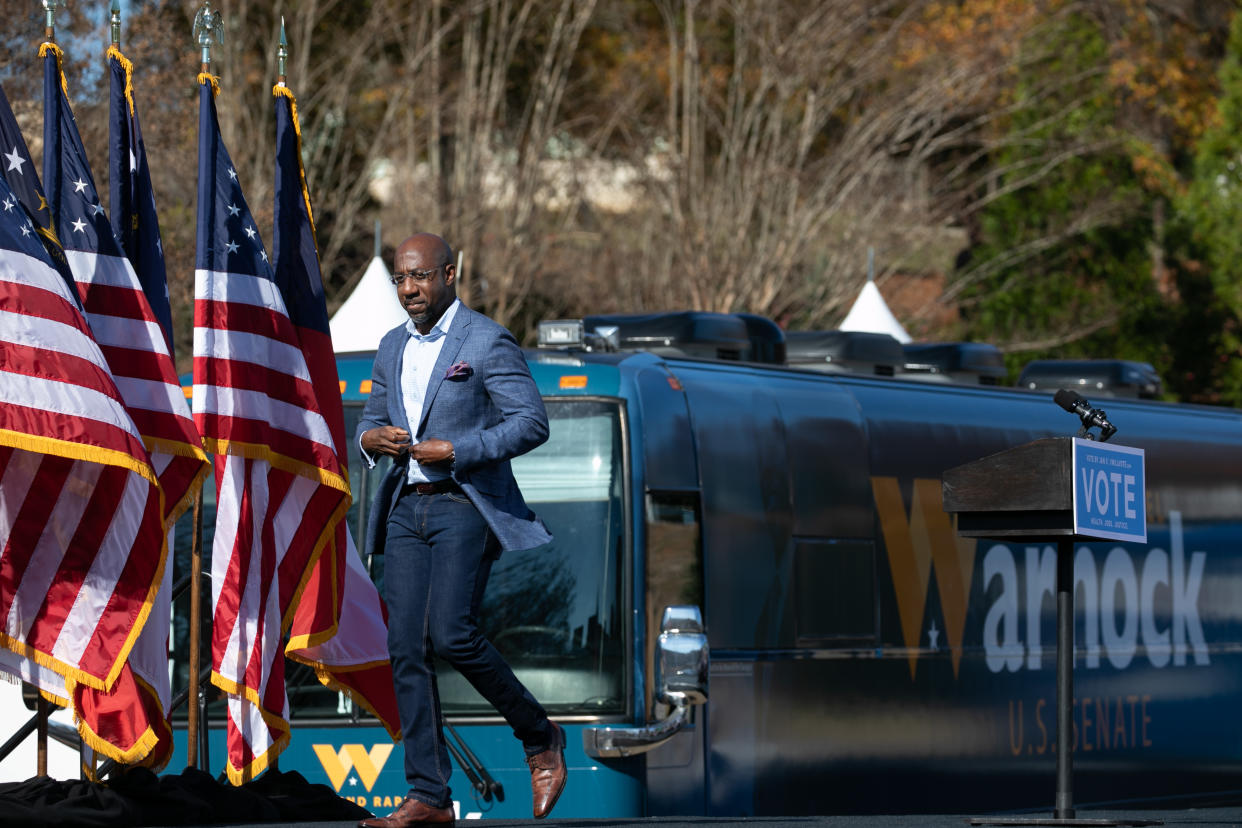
681 657
680 681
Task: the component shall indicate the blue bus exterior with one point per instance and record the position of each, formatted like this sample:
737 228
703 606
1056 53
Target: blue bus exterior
861 656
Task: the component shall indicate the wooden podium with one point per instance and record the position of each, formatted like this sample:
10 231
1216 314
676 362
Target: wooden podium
1027 494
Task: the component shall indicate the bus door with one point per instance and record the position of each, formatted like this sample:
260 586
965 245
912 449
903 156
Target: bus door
788 562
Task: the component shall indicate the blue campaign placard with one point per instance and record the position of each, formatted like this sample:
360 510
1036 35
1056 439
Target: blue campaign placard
1110 497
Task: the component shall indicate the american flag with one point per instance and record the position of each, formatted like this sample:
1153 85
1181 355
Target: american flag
355 659
131 200
26 194
136 347
80 510
23 180
136 226
270 412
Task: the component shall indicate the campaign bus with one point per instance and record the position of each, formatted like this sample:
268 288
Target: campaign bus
754 603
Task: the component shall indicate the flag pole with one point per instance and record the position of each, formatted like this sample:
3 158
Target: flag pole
41 737
196 614
202 35
282 54
49 28
207 26
114 21
41 706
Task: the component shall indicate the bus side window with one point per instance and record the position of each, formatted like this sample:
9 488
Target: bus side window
834 583
674 566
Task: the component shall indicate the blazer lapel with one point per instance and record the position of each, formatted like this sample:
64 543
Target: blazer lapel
448 355
396 395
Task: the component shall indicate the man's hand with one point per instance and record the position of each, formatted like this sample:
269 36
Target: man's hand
432 451
390 440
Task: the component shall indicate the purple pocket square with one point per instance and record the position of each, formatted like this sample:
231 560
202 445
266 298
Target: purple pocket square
459 370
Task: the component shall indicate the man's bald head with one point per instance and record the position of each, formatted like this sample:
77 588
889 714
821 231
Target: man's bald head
427 247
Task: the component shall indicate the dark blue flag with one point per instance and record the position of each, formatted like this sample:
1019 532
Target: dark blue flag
297 259
360 626
132 199
293 237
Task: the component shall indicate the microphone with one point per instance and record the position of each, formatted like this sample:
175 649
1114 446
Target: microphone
1071 401
1074 403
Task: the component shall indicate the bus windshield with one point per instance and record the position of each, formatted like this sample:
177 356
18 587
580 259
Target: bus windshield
554 612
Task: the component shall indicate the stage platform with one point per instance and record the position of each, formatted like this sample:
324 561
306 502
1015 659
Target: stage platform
139 799
1216 817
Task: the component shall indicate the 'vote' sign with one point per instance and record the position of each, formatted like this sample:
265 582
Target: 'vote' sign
1110 500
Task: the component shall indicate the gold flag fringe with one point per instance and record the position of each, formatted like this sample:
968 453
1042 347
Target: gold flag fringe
279 90
214 80
44 48
114 52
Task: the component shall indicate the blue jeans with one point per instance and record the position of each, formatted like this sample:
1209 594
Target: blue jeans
436 564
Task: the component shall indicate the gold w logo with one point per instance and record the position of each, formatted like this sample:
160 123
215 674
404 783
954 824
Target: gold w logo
928 537
337 764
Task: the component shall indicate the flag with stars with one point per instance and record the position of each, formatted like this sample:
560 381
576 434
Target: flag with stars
26 191
137 351
344 603
281 488
131 200
135 224
80 509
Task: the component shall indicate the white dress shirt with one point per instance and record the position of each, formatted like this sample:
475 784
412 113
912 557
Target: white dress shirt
419 360
417 363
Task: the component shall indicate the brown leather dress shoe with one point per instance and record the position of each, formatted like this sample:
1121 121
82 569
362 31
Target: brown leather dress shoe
547 774
412 812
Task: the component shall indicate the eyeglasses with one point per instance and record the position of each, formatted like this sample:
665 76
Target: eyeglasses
419 277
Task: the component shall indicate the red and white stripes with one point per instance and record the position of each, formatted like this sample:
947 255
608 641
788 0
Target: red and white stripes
81 530
280 492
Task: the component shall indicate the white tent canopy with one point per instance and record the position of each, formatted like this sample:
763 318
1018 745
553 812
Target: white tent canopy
871 314
371 311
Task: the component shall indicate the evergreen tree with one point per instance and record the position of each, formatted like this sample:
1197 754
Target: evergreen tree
1062 260
1208 242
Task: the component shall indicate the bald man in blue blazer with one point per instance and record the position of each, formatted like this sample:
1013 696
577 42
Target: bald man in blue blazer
452 402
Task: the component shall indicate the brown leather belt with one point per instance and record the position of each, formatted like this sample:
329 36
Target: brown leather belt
434 487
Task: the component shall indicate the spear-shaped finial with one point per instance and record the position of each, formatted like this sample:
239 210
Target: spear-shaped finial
49 28
116 23
282 53
207 24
